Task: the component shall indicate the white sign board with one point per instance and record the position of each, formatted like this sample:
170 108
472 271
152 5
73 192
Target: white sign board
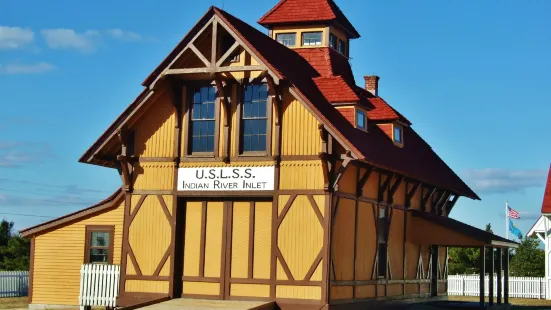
226 179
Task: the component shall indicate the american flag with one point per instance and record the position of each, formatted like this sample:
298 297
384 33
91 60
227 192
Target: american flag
513 214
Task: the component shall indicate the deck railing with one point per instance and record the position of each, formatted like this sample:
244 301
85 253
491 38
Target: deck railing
99 285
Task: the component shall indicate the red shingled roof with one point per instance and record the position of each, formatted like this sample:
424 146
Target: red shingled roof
327 62
384 112
416 160
336 89
307 11
546 205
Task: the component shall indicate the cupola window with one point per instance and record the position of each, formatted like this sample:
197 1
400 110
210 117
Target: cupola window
333 41
341 47
287 39
312 38
398 134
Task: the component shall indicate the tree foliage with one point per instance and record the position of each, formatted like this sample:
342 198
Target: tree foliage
529 260
14 250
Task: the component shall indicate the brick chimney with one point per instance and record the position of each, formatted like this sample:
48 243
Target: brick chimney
372 84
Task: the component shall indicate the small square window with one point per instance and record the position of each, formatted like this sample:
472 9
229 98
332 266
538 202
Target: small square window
312 38
398 134
287 39
333 41
361 120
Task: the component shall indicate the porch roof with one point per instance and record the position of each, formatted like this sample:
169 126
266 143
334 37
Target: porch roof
430 229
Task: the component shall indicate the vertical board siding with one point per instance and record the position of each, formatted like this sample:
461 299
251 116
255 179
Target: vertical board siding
240 240
154 176
301 174
366 242
248 290
371 187
142 286
14 283
396 244
262 240
300 237
192 239
154 132
298 292
213 241
59 255
348 182
343 240
149 234
300 133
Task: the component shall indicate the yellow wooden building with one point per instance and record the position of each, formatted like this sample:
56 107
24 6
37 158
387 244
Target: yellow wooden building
254 168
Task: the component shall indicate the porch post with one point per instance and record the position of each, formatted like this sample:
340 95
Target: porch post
482 274
434 271
491 279
499 267
506 276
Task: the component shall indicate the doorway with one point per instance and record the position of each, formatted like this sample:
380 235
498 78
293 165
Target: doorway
227 249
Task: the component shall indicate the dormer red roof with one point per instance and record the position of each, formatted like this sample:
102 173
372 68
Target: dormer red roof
336 89
546 205
307 11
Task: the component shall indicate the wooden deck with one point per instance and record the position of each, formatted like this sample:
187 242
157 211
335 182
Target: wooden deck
201 304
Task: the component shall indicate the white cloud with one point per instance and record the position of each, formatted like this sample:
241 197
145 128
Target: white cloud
62 38
41 67
493 180
15 37
120 34
18 154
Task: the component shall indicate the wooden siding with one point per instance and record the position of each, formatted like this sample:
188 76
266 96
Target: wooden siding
140 286
154 132
154 176
59 254
301 174
149 233
300 133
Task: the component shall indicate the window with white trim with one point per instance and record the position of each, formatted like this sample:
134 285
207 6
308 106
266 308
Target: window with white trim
287 39
312 38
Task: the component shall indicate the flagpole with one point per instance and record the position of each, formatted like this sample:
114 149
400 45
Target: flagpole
507 219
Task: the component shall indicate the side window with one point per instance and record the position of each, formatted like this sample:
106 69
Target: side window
333 41
287 39
361 120
342 47
382 236
99 245
398 134
311 38
202 120
254 133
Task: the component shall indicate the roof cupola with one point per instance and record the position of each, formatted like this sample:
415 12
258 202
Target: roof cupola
310 24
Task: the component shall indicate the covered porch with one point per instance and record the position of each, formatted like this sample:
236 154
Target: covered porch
439 231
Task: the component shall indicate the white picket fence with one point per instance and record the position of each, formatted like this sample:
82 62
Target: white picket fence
519 287
99 285
14 283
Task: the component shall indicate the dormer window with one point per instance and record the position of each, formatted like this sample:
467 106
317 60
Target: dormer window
398 135
312 38
333 41
287 39
361 120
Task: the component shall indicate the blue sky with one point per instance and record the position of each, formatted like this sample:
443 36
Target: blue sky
472 76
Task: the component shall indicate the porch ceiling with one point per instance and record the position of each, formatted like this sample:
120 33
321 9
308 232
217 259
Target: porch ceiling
425 228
